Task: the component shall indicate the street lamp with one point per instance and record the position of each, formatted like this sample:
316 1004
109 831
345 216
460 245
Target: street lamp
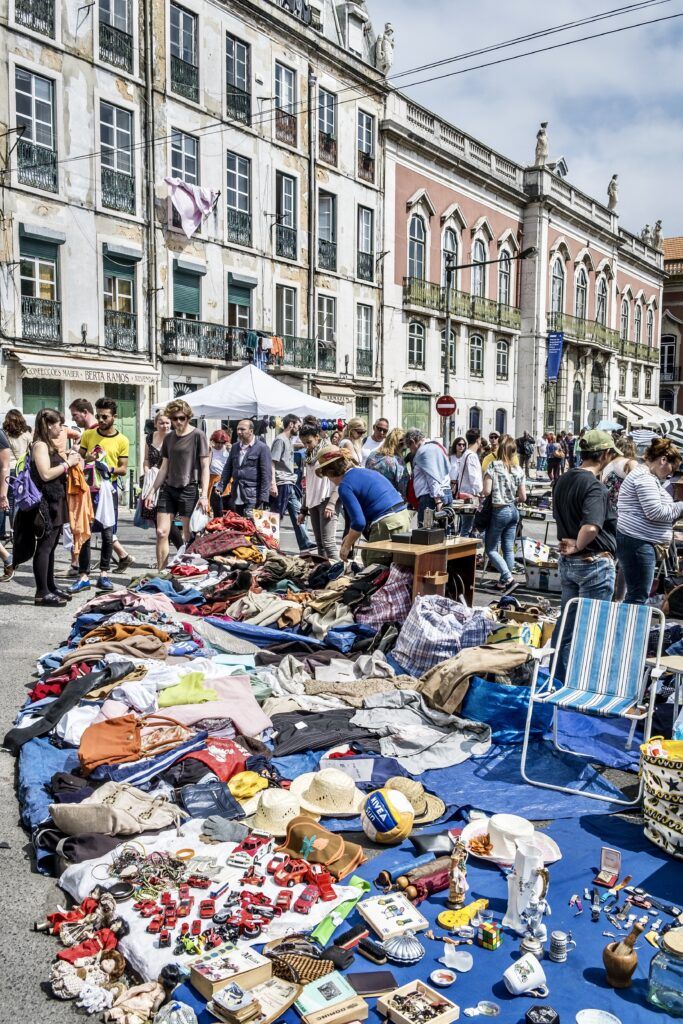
450 269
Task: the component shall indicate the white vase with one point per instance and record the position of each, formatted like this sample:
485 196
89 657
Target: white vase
527 878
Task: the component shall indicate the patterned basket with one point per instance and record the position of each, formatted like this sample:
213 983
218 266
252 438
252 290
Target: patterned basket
662 776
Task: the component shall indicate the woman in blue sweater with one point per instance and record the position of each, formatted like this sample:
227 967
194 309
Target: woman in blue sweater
374 508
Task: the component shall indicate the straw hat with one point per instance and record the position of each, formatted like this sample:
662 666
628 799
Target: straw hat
326 457
329 792
427 807
246 787
276 808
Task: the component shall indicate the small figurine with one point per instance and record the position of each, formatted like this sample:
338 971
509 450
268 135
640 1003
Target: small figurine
458 885
541 154
536 932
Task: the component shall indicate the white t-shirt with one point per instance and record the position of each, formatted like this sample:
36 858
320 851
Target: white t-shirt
369 446
542 448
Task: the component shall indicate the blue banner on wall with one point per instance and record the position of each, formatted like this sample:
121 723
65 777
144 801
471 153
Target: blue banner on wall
555 343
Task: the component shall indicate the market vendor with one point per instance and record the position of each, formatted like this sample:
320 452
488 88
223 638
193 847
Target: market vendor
373 506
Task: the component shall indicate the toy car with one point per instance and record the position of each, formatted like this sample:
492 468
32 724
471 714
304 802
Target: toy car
185 908
146 908
211 938
255 899
164 938
251 851
307 900
275 862
283 901
184 891
155 925
196 928
207 908
291 872
249 925
198 882
251 877
323 880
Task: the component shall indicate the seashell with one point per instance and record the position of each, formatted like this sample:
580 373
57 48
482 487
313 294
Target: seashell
404 949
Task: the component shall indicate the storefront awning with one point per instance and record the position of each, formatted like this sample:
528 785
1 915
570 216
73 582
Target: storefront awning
335 392
650 416
98 371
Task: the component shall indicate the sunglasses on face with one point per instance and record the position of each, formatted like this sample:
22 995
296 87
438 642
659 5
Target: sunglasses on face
460 444
381 430
179 419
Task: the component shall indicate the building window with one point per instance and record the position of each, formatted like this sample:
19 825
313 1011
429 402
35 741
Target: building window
120 321
366 244
366 146
475 418
638 323
363 408
623 333
650 328
285 104
451 350
239 306
40 309
648 384
577 407
184 162
622 378
327 126
501 421
449 255
597 379
504 279
476 356
667 357
285 311
36 149
186 295
184 61
327 333
635 382
557 287
327 231
36 15
285 209
116 155
479 270
238 79
581 304
116 33
416 248
239 199
666 400
416 346
601 306
502 359
364 367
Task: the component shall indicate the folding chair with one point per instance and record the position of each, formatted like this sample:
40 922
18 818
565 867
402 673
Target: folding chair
606 674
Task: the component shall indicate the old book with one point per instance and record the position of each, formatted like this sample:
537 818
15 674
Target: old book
220 966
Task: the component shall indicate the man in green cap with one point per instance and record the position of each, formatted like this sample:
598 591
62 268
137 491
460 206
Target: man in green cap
586 529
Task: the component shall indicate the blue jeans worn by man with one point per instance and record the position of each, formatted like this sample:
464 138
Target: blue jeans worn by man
289 500
638 561
501 531
426 501
591 577
466 524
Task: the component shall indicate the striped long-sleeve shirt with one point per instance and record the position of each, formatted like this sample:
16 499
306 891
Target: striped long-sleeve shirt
645 509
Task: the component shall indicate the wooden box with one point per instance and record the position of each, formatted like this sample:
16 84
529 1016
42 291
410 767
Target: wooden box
387 1009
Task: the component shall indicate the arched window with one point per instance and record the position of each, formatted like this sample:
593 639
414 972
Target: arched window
449 254
475 418
581 304
635 382
650 328
601 305
451 349
416 248
623 333
416 345
648 383
597 378
502 360
557 287
504 279
638 323
666 400
476 356
502 421
577 407
667 357
479 271
622 378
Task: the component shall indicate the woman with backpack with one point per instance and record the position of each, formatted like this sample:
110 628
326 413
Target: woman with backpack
42 510
504 483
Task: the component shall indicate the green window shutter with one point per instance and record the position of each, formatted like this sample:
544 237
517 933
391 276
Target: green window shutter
240 295
119 267
185 293
38 249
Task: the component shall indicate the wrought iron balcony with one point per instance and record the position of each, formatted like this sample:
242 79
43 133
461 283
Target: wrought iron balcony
238 103
366 166
185 78
418 292
605 336
327 254
41 319
327 357
239 227
509 316
484 309
118 190
588 331
647 354
285 127
116 47
460 302
38 15
364 362
430 295
194 339
120 330
285 242
365 266
672 373
299 352
327 148
36 166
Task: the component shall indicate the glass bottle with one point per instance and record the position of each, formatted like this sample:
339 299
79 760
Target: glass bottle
666 974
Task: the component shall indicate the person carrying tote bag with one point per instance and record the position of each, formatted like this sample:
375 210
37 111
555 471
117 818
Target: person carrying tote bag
504 485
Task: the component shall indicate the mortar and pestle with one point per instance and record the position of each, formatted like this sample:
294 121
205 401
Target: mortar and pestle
620 958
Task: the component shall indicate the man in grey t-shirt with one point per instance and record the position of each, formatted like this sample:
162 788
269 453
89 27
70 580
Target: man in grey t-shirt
284 471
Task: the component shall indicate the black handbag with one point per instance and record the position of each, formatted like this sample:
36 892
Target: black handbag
482 517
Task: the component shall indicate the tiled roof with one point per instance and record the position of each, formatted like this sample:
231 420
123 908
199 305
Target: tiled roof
673 248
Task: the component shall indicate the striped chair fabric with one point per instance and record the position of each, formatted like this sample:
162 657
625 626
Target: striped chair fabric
606 663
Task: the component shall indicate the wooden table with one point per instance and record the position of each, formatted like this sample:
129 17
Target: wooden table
436 567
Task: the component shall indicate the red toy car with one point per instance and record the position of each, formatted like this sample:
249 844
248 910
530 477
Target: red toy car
146 908
283 901
254 899
252 850
323 880
291 872
307 900
275 862
252 878
155 925
207 908
249 925
185 908
196 928
164 938
198 882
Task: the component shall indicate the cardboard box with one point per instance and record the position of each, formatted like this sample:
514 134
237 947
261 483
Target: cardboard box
547 625
532 551
387 1009
546 579
528 633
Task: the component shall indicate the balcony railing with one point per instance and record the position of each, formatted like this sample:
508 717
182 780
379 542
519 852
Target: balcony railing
38 15
194 339
588 331
327 254
238 104
672 373
366 166
120 330
299 352
116 47
430 295
185 78
239 227
41 319
365 266
327 148
285 127
364 362
628 349
647 354
118 190
327 357
36 166
285 241
605 336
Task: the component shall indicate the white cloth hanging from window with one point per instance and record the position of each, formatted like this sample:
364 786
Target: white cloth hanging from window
193 203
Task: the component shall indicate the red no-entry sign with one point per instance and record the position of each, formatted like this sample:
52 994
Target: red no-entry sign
445 405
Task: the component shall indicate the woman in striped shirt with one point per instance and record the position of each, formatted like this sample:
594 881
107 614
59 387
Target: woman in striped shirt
646 514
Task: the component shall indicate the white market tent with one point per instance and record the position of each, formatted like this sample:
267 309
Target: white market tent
249 392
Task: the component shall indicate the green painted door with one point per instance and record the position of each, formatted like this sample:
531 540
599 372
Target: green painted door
40 394
125 396
416 412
